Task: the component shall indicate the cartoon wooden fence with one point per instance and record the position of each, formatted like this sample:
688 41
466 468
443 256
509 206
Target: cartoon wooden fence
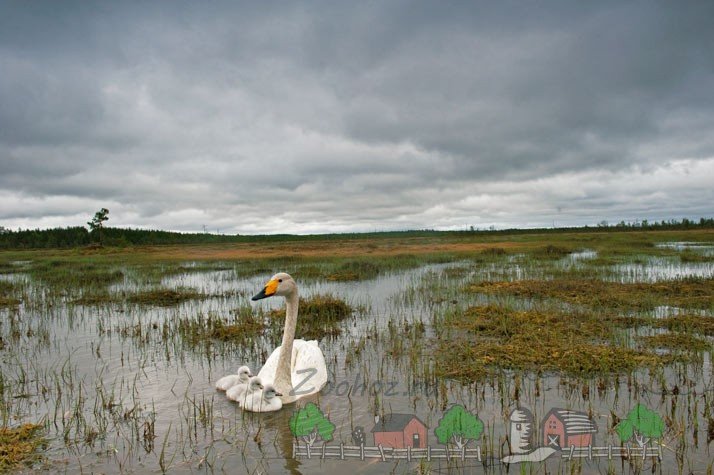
363 452
610 451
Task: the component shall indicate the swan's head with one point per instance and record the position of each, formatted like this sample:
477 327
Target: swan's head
244 374
281 284
270 392
255 384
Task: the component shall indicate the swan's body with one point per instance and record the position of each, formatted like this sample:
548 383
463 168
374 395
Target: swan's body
297 367
241 377
266 400
242 395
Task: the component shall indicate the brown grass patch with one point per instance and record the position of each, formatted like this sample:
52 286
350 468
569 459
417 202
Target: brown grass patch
248 327
492 337
165 297
202 330
19 445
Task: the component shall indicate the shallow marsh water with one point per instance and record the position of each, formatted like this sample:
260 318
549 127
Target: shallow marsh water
119 389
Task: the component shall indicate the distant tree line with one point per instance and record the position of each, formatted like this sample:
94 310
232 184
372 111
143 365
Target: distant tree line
79 236
43 238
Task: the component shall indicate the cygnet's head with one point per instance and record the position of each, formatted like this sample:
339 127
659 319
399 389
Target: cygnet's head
281 284
255 384
244 374
269 392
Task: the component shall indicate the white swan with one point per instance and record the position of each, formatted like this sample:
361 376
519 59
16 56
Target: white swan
264 401
242 395
241 377
297 367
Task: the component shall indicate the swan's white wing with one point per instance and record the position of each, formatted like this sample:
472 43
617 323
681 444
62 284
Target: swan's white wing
267 372
307 368
309 372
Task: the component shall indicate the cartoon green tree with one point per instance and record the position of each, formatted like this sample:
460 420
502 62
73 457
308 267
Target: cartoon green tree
309 422
641 423
458 425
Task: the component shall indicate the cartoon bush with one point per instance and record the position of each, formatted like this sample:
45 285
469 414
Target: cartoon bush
642 424
459 426
309 422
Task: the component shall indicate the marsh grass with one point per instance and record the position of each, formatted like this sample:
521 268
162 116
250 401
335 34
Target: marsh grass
688 256
212 327
685 293
7 288
493 338
101 297
69 273
20 445
165 297
7 267
699 324
320 316
355 270
8 291
675 341
550 251
493 252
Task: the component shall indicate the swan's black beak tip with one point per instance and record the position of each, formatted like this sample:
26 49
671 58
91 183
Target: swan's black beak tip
259 296
278 394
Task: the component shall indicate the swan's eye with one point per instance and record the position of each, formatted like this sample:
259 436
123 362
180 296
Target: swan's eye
280 280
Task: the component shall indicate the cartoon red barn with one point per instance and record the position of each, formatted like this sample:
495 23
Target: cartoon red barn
400 431
563 428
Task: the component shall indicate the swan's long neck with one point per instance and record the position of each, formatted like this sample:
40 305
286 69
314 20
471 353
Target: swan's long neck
283 376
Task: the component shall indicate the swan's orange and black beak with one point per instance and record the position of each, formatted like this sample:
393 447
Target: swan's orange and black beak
268 291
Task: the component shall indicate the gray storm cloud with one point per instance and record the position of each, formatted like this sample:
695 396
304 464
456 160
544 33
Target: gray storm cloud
340 116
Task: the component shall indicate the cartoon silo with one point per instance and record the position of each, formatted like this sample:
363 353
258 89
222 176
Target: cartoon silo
521 434
521 431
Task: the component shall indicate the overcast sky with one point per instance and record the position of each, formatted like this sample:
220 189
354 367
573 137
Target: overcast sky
263 117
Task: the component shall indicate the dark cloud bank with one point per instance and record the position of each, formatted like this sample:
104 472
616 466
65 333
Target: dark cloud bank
336 116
